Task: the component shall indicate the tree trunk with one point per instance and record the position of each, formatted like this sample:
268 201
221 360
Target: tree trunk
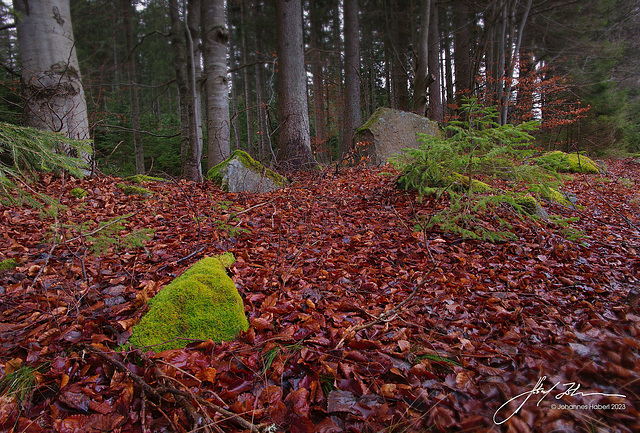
511 66
399 40
216 39
435 99
246 87
352 115
461 53
420 84
318 79
179 47
127 12
51 81
294 141
264 138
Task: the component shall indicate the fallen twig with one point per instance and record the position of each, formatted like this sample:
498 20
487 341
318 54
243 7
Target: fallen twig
158 391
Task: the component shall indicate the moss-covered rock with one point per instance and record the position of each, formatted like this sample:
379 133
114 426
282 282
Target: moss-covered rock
134 190
78 192
530 206
460 182
203 303
8 264
240 172
550 194
141 178
568 162
388 131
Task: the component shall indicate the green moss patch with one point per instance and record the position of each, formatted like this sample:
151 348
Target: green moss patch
568 162
8 265
78 192
141 178
203 303
134 190
550 194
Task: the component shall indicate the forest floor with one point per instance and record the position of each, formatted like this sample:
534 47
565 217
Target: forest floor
358 322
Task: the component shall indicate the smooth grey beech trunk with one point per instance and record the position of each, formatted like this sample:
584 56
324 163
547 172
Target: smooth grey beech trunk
51 81
216 40
294 139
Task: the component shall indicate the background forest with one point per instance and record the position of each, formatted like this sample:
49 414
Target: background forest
571 64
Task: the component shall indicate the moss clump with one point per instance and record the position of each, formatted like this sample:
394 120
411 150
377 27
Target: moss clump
216 174
134 190
78 192
141 178
550 194
203 303
460 182
8 264
568 162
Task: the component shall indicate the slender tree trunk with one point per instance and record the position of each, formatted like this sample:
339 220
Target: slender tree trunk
352 114
435 98
51 81
511 67
246 85
216 39
264 141
294 140
421 82
189 145
399 40
127 12
318 79
461 53
234 95
193 162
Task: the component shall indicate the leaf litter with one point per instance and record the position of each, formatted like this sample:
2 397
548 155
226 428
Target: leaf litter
358 322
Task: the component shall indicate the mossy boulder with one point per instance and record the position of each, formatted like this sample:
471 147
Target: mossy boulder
568 162
240 173
201 304
8 265
460 182
78 192
550 194
134 190
141 178
529 205
388 131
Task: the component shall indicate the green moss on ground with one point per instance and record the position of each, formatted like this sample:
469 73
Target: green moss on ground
8 264
78 192
550 194
141 178
134 190
203 303
568 162
460 182
216 176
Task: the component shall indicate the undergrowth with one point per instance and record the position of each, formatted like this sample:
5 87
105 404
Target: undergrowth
478 147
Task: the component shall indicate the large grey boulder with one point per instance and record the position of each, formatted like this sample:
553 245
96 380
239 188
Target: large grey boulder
241 173
388 131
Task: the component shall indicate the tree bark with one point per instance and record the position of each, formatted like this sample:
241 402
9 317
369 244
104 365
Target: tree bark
246 87
51 81
435 99
352 114
318 79
216 39
127 12
420 84
294 140
179 47
461 53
